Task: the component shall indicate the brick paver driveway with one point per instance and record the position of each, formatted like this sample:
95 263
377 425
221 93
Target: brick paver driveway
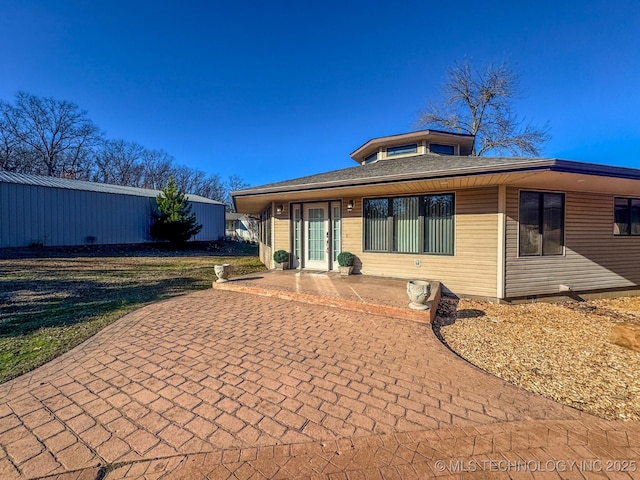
222 370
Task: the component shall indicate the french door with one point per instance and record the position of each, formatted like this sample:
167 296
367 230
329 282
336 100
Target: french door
316 238
316 235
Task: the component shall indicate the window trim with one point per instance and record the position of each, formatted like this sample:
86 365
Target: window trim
453 148
629 222
371 158
391 153
265 229
564 225
454 219
421 224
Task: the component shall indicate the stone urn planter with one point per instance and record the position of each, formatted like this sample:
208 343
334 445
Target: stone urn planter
345 270
418 291
222 272
282 265
281 260
345 263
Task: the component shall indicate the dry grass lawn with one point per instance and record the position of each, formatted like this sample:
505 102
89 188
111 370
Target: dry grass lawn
561 351
50 304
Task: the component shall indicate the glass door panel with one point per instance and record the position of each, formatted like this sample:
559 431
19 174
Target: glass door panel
316 237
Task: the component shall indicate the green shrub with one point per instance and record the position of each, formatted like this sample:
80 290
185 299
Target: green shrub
280 256
345 259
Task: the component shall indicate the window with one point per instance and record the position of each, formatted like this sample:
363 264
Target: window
402 150
371 158
626 216
410 224
335 234
438 224
441 149
541 223
297 232
265 227
406 225
376 230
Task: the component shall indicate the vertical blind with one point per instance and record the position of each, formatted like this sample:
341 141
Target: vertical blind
410 224
406 225
438 224
376 230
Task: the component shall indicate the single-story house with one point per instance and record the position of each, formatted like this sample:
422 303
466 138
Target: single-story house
418 206
49 211
240 226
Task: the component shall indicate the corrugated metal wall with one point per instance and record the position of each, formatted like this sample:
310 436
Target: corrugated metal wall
32 214
212 218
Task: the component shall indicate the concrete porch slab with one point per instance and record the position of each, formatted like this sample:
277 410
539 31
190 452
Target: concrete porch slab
359 293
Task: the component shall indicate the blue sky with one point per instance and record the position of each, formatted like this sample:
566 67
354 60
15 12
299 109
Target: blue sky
281 89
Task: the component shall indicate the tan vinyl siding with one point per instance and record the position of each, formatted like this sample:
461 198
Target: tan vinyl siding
281 230
473 268
594 258
266 255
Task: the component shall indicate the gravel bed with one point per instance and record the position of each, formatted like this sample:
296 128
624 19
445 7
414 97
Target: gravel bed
559 350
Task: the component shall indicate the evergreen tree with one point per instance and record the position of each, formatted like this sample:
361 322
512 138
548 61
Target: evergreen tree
174 220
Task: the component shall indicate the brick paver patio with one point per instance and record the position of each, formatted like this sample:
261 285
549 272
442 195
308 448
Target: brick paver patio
219 384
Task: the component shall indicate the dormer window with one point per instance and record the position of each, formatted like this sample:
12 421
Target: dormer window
371 158
441 149
402 150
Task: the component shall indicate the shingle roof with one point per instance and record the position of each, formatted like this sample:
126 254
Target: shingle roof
69 184
434 166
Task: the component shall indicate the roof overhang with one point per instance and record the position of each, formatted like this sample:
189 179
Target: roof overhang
544 174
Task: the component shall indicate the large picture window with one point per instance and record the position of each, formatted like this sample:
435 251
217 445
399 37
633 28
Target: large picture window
626 216
410 224
541 223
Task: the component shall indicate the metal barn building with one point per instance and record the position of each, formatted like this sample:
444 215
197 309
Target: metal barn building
60 212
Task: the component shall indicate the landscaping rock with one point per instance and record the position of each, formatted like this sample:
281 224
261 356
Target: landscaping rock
626 335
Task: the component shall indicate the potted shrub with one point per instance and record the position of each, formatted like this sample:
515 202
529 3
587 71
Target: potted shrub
345 263
282 260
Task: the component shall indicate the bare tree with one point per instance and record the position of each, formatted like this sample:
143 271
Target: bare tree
119 162
9 148
253 227
213 188
233 183
198 183
44 136
187 179
157 169
55 134
479 102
